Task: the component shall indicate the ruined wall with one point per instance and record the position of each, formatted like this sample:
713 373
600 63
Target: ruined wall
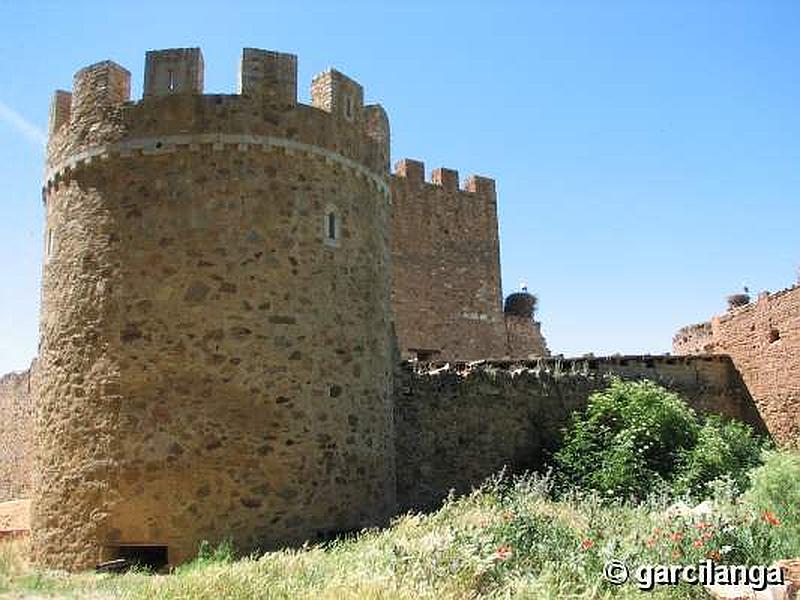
16 435
216 343
446 291
694 339
525 339
523 333
457 425
763 340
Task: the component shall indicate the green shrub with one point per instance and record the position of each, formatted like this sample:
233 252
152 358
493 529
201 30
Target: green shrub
636 438
628 441
775 495
726 449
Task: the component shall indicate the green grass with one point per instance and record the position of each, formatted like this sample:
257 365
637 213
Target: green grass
509 539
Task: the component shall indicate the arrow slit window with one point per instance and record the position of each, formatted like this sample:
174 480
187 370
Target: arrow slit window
332 224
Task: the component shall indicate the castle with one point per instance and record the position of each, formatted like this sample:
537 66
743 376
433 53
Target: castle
232 287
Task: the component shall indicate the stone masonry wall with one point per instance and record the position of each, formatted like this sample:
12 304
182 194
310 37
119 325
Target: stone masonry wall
16 435
763 340
446 292
525 339
216 331
694 339
457 425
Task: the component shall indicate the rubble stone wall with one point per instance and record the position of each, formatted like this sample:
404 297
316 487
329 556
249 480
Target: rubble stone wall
16 435
763 340
216 331
458 424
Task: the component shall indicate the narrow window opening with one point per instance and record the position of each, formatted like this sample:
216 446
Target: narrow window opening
49 244
348 107
152 558
332 227
171 80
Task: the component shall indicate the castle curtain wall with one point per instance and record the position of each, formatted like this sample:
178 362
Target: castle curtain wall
16 435
763 340
457 425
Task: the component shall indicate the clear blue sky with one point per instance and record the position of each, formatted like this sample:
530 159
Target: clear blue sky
647 154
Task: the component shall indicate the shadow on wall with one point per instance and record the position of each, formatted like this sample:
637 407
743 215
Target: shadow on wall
457 424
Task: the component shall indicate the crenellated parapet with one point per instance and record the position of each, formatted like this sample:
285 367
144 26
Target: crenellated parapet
411 173
97 119
269 77
85 115
376 123
336 93
60 109
173 71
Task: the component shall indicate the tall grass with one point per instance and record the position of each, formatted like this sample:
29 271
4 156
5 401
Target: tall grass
13 560
509 539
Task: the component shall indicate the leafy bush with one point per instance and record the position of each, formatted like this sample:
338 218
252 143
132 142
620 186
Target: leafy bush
775 494
636 438
628 441
723 449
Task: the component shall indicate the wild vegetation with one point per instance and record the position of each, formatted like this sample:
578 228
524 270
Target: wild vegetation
530 536
637 437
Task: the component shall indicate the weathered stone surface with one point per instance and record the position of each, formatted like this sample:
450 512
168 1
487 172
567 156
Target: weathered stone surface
454 425
524 337
458 424
763 339
203 348
446 295
16 435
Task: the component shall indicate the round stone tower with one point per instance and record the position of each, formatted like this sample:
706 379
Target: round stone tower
215 328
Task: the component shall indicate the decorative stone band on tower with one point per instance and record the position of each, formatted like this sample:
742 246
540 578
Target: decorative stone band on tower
216 341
